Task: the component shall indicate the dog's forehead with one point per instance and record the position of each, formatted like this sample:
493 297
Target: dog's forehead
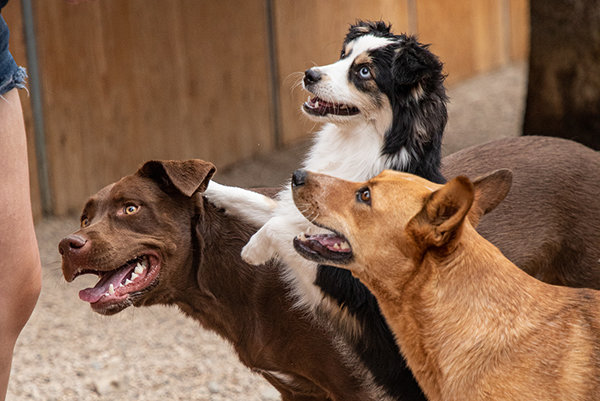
366 43
128 187
405 181
133 186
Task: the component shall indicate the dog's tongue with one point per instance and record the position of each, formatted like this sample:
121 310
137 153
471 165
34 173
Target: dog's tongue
115 278
330 241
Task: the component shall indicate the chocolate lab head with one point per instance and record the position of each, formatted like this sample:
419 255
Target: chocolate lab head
128 237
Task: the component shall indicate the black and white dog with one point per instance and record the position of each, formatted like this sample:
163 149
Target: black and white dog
384 107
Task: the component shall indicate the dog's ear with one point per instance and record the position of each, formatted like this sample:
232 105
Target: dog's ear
413 63
186 176
442 214
490 190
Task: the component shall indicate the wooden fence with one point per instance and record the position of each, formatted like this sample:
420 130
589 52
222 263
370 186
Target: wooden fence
124 81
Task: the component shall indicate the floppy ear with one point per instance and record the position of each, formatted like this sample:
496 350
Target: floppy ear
413 61
442 214
490 190
186 176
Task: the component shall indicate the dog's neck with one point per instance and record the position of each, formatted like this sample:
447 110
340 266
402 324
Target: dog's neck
441 314
219 282
359 151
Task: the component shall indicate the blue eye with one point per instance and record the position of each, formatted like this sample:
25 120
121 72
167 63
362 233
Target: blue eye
364 73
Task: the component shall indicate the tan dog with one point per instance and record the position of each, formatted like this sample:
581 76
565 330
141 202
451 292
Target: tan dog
471 324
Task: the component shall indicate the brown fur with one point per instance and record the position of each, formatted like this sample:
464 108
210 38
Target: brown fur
202 273
471 325
549 224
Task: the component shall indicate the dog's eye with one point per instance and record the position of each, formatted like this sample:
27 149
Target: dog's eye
364 73
85 222
131 209
343 53
364 196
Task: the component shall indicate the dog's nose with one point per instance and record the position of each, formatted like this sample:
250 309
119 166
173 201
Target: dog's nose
311 76
299 178
72 243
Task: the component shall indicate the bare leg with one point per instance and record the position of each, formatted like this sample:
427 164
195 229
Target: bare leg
20 269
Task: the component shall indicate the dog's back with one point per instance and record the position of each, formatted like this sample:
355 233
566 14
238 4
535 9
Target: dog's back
557 215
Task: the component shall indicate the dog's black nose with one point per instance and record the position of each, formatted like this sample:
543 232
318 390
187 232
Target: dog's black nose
71 243
298 178
311 76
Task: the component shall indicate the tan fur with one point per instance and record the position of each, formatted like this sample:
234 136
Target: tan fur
471 324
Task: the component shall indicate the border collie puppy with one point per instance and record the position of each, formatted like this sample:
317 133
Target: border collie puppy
384 107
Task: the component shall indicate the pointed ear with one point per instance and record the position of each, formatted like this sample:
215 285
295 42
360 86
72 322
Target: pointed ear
443 213
186 176
490 190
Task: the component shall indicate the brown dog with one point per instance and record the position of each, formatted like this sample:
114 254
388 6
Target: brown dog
153 239
471 324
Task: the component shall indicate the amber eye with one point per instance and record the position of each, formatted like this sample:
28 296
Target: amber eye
364 196
85 222
131 209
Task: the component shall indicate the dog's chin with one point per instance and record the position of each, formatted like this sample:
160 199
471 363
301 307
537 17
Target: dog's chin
124 286
331 249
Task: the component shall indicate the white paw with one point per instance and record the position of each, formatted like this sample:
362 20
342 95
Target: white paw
217 195
256 252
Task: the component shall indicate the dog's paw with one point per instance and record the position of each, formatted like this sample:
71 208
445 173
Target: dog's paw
256 253
216 194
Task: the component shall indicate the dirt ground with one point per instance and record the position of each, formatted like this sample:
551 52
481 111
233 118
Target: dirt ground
67 352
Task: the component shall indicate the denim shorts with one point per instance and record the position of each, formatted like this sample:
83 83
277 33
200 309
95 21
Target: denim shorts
11 75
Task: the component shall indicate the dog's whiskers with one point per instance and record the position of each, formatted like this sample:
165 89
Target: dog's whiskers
297 80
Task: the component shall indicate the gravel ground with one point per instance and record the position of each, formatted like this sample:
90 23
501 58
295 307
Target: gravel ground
67 352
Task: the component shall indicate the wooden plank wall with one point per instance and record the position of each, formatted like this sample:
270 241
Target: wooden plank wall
128 81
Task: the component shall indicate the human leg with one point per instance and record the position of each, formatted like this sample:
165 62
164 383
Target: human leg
20 270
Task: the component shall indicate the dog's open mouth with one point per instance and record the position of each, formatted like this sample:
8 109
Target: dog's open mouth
319 107
324 248
116 286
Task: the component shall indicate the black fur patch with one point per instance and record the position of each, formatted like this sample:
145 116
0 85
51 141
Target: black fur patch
412 79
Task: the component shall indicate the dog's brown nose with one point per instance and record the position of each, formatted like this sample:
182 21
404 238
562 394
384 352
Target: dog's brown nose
72 243
298 178
311 76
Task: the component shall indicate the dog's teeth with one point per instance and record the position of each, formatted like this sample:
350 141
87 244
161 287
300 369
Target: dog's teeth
111 289
139 269
336 246
344 246
302 237
144 262
127 281
134 276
